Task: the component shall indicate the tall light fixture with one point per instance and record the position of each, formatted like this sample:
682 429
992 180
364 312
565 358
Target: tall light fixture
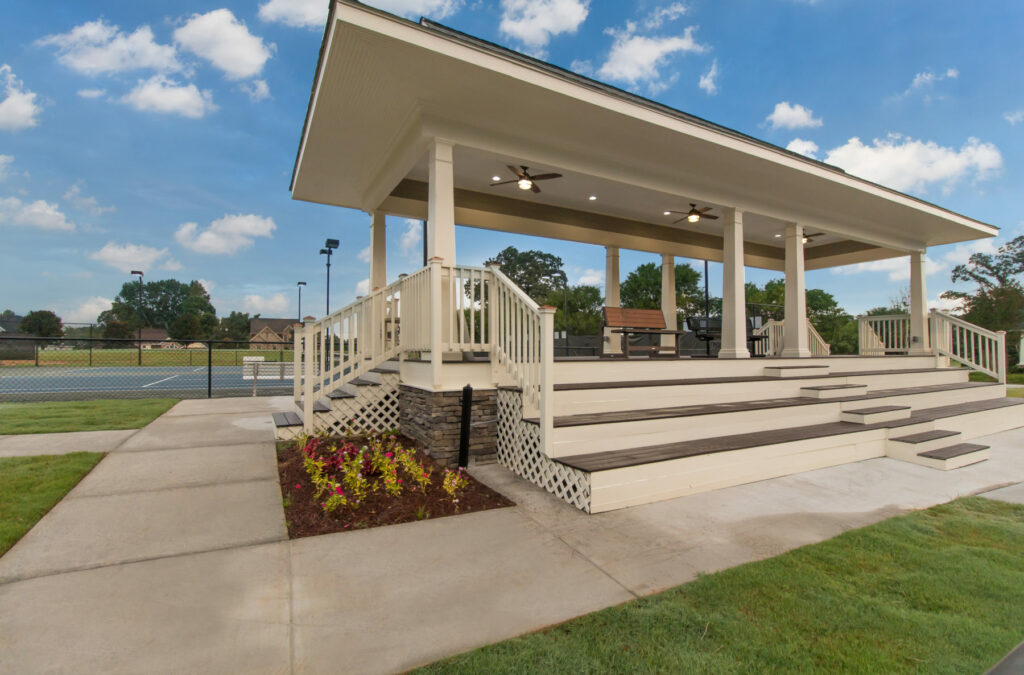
140 313
328 251
300 284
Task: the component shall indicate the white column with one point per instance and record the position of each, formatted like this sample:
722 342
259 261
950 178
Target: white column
919 338
794 342
378 251
441 204
734 290
612 341
668 297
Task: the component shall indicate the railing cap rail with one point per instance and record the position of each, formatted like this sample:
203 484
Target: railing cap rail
518 292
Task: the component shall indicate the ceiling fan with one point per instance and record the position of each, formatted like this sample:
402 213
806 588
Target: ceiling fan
525 180
694 214
810 237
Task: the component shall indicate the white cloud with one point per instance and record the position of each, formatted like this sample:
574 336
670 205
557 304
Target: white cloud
88 311
224 41
707 80
97 47
948 305
277 303
258 90
39 214
127 257
225 236
906 164
364 255
208 285
18 109
5 164
927 80
898 269
162 95
437 9
636 59
803 147
296 13
960 253
363 287
1015 117
660 15
789 116
91 93
591 277
412 239
582 66
535 22
81 202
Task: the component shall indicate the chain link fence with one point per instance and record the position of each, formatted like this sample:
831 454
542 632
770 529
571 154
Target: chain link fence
64 369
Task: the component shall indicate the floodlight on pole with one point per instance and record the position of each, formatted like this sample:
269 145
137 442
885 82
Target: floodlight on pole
300 284
139 272
328 251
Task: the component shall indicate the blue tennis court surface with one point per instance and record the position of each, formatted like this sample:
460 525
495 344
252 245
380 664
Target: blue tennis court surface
27 383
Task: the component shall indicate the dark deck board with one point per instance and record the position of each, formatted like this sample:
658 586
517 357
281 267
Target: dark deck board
617 459
926 436
287 419
627 384
953 451
743 406
877 410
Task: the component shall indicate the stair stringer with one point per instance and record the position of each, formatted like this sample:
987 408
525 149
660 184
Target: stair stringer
374 408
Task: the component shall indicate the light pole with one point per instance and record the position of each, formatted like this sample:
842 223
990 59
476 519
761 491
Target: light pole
328 250
140 313
300 284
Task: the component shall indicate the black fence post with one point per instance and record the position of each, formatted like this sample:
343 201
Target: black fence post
37 354
467 413
209 370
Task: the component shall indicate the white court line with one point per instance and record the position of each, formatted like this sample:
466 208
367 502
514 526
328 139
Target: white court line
168 378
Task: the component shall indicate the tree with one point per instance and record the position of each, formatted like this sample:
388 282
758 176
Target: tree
8 314
998 301
118 330
163 302
642 289
584 305
235 326
536 272
187 327
42 323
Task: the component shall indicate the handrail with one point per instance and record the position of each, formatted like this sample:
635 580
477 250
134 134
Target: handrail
976 347
883 334
516 340
776 331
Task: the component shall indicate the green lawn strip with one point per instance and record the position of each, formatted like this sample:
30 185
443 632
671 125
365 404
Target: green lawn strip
1015 393
937 591
1011 378
61 416
30 486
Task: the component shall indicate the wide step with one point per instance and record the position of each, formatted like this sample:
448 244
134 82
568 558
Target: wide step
834 390
954 456
796 371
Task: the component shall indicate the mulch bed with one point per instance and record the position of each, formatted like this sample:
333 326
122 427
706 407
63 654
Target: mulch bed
305 518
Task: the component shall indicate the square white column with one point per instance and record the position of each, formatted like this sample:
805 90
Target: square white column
734 291
378 251
612 341
668 297
441 204
919 337
795 341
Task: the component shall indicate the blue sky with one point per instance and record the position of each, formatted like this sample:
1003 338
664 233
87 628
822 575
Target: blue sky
162 136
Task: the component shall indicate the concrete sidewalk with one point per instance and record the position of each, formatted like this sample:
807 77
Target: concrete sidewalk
172 556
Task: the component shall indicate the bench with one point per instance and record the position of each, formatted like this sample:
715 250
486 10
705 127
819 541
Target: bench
255 368
627 322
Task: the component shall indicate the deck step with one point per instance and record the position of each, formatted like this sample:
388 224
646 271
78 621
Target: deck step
365 381
387 367
287 419
345 391
908 447
796 371
882 413
952 457
953 451
834 390
322 405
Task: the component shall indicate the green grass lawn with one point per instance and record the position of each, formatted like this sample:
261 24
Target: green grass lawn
59 416
1011 378
935 591
1015 393
30 486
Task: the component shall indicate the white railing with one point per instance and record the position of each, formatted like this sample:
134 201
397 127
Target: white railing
883 334
975 347
776 332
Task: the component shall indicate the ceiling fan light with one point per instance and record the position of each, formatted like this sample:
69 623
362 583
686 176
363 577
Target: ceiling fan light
805 240
525 183
495 178
693 217
592 197
778 236
668 213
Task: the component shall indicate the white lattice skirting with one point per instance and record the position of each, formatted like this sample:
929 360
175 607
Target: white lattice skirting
519 450
374 408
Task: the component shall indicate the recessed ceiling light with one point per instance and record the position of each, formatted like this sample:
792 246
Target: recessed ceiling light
778 236
592 197
495 178
668 213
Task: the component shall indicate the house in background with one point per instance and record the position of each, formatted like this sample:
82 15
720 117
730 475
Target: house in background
11 326
153 338
271 333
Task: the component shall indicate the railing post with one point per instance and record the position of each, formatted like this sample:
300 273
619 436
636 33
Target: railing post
437 320
1001 356
547 376
307 379
296 362
492 320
